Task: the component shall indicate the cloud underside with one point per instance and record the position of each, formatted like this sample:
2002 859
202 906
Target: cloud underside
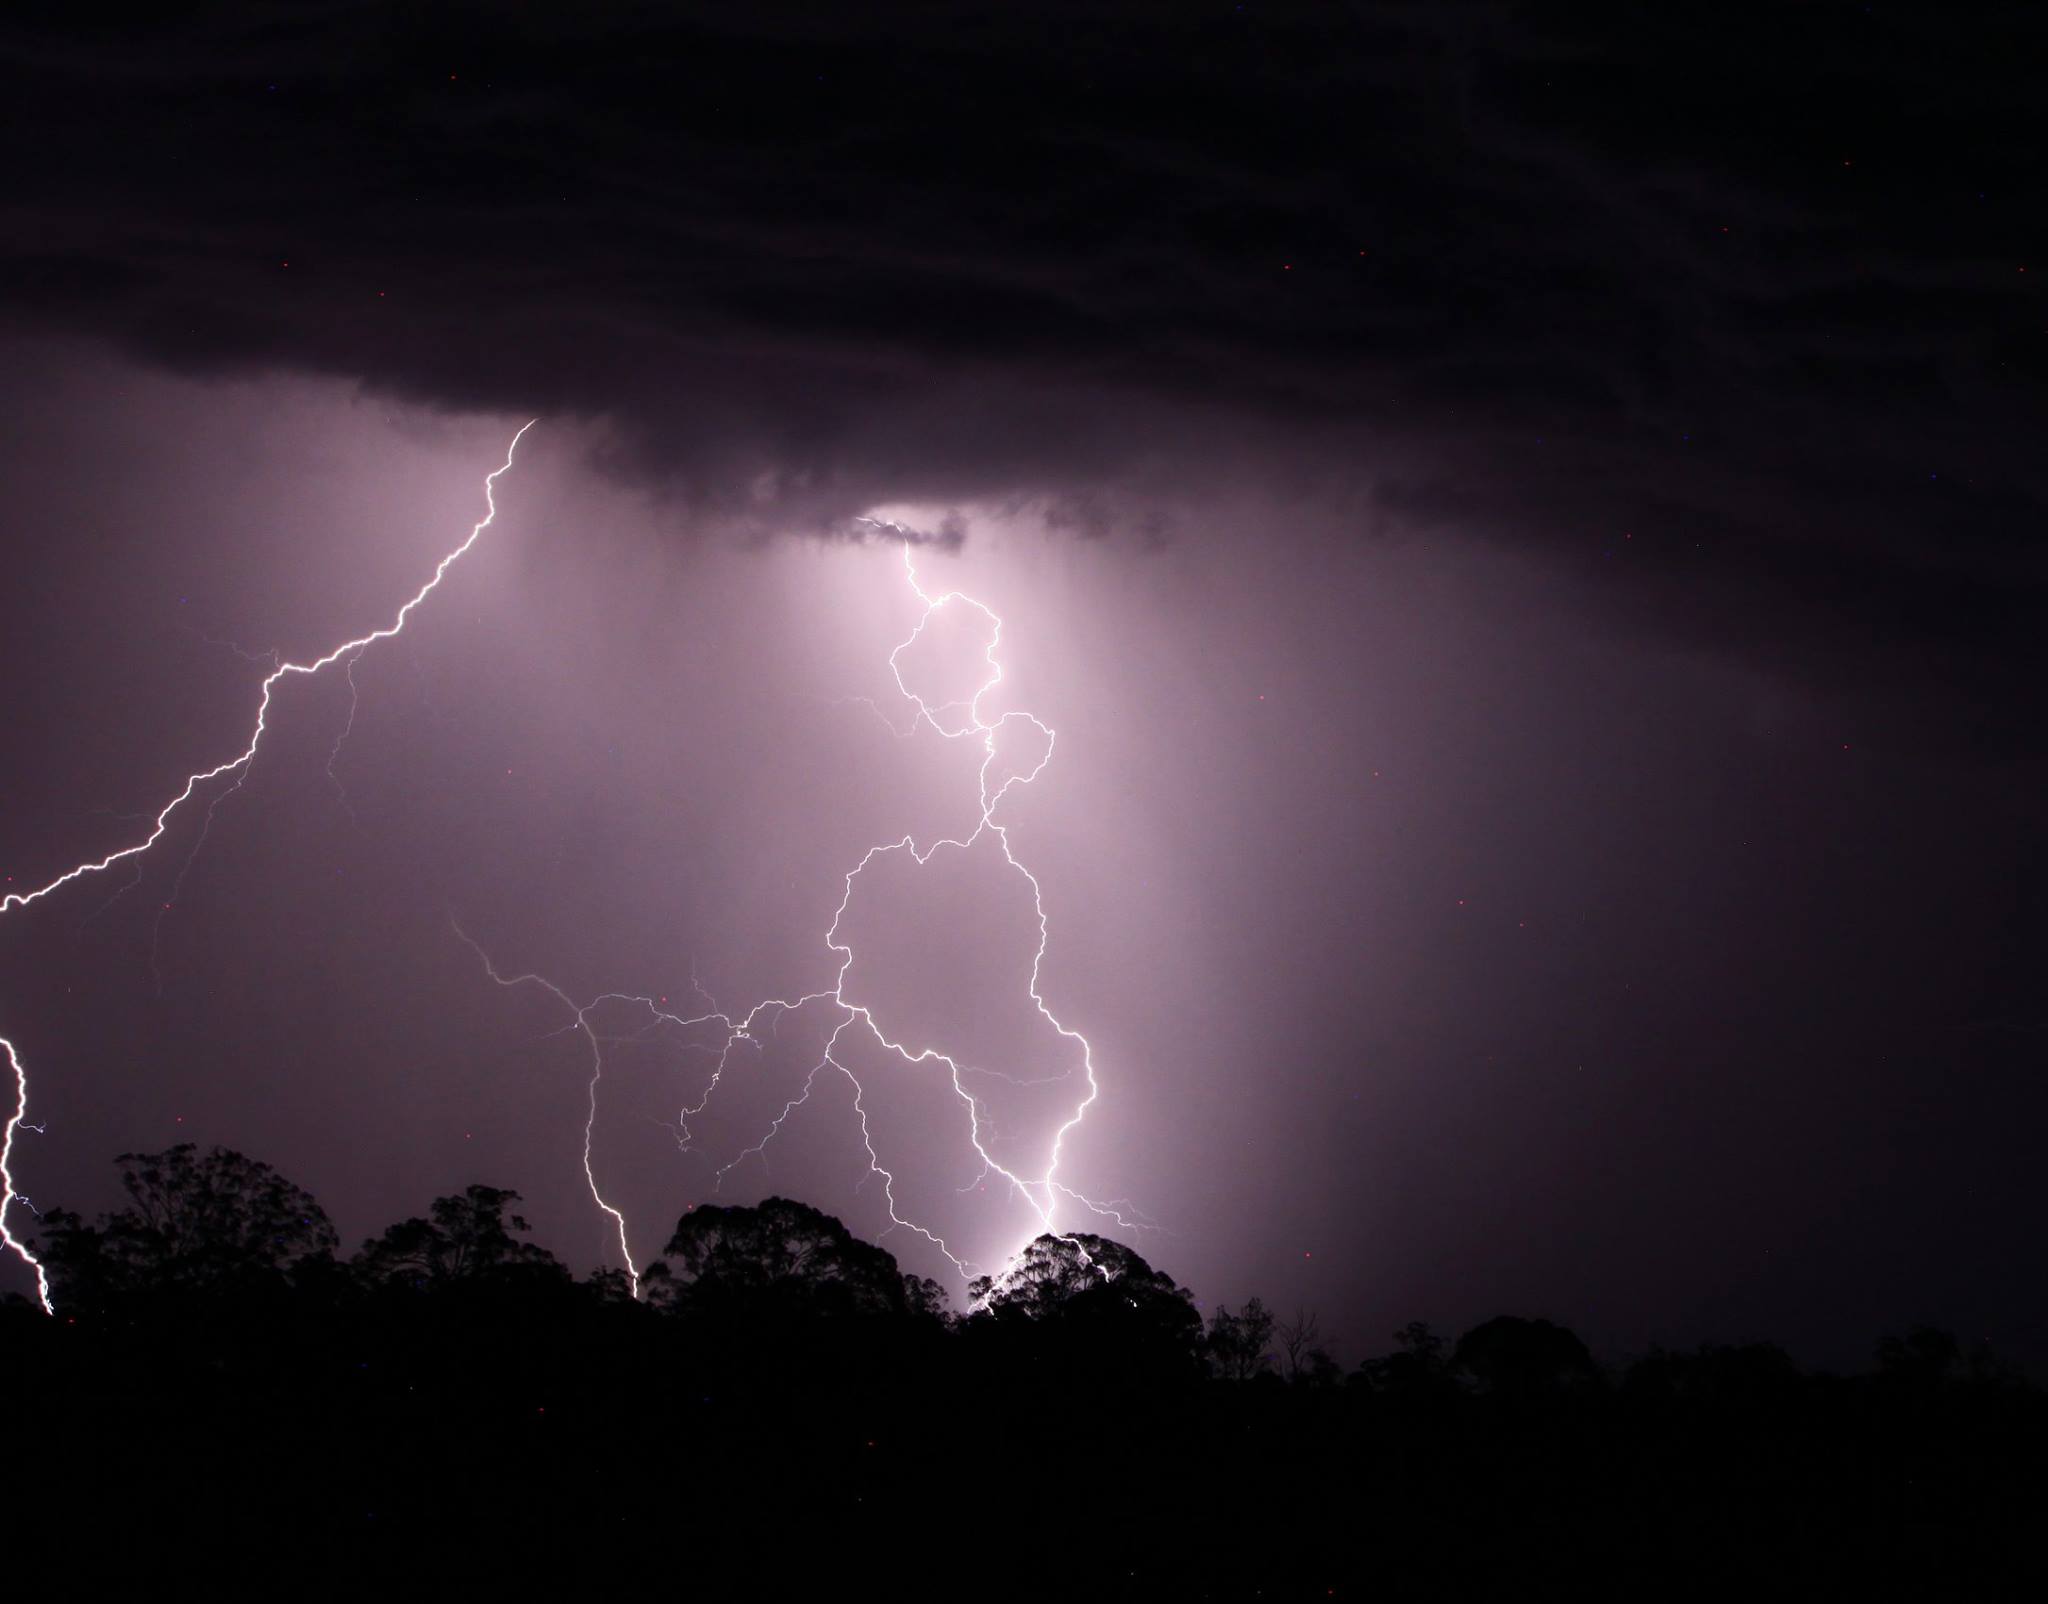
1754 315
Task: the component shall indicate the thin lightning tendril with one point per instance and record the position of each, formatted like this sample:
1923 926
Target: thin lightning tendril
582 1023
355 697
961 720
952 721
238 766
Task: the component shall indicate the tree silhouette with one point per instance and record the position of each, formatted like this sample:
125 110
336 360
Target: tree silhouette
1298 1342
787 1253
774 1349
1417 1369
466 1238
1090 1292
1513 1357
197 1221
926 1298
1236 1343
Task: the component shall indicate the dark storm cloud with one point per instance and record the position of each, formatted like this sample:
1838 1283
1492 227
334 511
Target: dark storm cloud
1725 311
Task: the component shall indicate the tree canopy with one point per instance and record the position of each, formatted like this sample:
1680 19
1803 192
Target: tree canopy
214 1376
784 1252
195 1222
1087 1290
465 1239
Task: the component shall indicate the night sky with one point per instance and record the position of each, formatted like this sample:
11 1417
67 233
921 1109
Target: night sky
1526 522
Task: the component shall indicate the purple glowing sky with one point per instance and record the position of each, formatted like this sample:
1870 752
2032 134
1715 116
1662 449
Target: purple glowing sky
1525 528
1399 909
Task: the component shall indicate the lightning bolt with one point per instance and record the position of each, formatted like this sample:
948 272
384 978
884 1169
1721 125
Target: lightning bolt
958 721
962 721
8 1196
238 766
581 1023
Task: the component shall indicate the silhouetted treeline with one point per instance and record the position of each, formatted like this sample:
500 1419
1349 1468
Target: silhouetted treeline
223 1403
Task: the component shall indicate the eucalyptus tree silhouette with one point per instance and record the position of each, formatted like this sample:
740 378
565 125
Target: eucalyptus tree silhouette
1416 1372
197 1222
1511 1357
781 1254
218 1380
1236 1343
465 1239
1084 1294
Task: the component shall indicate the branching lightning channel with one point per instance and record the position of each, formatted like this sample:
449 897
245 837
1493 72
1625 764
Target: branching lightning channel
964 721
583 1026
238 766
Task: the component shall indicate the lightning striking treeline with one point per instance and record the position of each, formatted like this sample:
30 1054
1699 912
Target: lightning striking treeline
238 766
959 720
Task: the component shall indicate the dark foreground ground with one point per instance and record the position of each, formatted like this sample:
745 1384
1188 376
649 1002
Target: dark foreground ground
784 1416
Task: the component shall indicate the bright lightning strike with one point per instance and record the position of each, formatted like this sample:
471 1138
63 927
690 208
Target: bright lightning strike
8 1196
964 721
238 766
952 721
582 1024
